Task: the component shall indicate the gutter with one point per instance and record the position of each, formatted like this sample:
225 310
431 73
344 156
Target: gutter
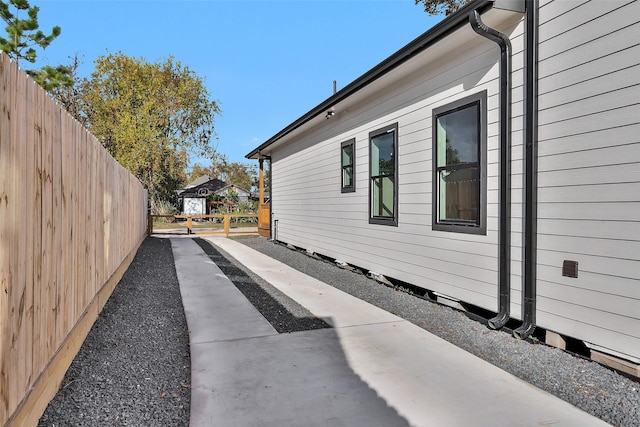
435 34
504 215
530 243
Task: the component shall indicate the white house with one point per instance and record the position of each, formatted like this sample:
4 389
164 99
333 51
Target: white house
495 161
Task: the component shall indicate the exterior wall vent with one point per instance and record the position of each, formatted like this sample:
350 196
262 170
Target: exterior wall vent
570 268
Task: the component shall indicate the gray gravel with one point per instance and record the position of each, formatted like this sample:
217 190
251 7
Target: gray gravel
588 385
134 367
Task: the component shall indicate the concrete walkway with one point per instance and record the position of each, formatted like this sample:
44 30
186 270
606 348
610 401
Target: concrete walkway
371 369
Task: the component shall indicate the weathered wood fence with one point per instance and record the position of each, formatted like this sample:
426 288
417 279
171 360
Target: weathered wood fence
71 220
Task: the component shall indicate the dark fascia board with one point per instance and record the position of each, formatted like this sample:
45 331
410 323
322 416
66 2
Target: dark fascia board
433 35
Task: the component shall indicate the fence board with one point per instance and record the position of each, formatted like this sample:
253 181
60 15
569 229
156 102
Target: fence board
11 356
5 234
71 220
20 291
65 211
56 181
48 285
30 219
39 303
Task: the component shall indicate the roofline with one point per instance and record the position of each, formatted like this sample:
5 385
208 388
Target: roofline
433 35
233 185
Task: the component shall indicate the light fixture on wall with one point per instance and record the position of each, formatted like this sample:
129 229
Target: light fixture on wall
330 114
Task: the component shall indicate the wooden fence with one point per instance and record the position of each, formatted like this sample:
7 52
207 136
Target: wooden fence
71 220
187 227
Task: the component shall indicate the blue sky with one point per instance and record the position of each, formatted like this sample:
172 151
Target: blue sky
266 62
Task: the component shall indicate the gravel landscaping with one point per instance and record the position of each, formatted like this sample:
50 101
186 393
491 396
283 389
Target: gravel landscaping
588 385
134 367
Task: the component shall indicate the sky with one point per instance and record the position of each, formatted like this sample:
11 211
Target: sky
266 62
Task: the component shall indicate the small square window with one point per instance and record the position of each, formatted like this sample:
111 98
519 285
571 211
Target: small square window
348 166
459 165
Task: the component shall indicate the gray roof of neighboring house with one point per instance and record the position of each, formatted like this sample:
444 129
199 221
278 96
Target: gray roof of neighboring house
204 188
199 181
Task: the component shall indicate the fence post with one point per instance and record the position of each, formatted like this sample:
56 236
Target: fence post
149 224
188 225
227 220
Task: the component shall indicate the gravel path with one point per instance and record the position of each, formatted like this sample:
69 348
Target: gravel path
134 367
585 384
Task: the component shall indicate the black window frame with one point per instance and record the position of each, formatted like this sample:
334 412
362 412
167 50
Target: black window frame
384 220
460 226
348 188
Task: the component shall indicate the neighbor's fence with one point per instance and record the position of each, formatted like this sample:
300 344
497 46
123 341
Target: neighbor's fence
222 224
71 219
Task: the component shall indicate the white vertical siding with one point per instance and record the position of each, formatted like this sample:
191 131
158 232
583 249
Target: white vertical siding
589 171
312 212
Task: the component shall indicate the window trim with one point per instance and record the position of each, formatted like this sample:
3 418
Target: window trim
480 227
348 188
384 220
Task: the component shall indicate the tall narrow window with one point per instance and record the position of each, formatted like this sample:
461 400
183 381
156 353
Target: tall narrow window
347 154
383 173
459 166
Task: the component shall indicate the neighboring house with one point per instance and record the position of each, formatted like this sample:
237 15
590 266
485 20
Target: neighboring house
502 177
242 194
194 196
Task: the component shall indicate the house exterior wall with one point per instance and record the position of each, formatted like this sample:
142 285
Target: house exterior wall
589 172
312 213
243 195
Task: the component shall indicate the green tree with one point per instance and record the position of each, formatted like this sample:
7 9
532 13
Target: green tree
239 174
197 170
439 7
23 36
150 117
242 175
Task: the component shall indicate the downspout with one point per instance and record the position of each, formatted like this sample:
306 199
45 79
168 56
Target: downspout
504 216
531 174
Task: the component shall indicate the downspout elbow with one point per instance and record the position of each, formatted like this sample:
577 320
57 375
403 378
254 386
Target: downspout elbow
504 244
492 34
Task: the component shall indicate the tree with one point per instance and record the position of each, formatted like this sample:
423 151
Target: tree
242 175
150 117
23 36
70 97
439 7
197 170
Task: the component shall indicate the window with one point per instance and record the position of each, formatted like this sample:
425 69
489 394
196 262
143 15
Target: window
383 173
459 165
347 154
